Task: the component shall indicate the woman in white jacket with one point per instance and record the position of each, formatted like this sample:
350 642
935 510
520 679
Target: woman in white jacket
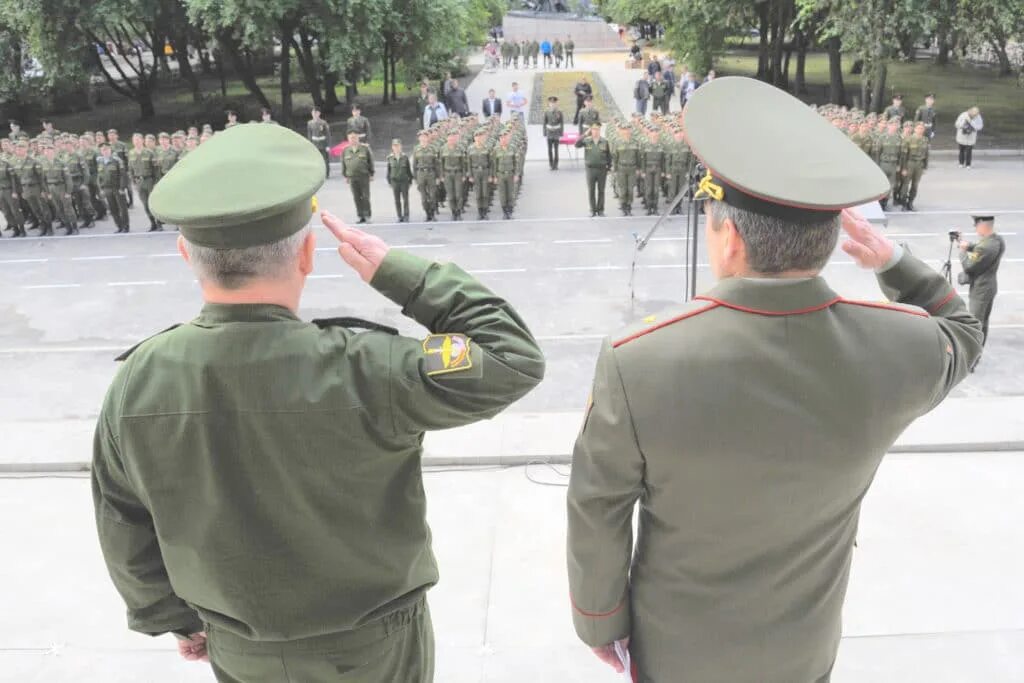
967 126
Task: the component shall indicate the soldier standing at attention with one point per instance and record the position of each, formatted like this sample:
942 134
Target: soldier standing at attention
166 156
980 261
358 124
357 167
267 116
678 167
30 179
142 169
506 164
319 133
89 154
275 433
626 161
554 128
455 167
747 525
890 148
121 151
111 174
926 114
915 163
427 168
58 187
232 119
557 51
480 173
653 171
597 158
661 93
78 172
570 48
896 110
10 194
400 178
589 115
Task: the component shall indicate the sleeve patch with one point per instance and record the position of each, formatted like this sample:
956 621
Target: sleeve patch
447 353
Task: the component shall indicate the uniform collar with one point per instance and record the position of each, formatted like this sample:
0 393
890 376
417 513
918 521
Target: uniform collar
213 314
773 297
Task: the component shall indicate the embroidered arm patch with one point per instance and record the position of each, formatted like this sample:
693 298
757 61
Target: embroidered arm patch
447 353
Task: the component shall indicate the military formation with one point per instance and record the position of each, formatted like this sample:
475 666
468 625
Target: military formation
533 54
59 179
894 140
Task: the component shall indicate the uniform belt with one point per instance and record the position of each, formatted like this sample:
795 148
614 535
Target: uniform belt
318 139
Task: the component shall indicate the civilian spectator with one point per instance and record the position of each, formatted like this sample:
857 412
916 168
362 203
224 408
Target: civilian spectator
967 126
435 111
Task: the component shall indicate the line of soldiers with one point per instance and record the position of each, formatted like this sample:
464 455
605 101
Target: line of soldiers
76 180
899 147
512 51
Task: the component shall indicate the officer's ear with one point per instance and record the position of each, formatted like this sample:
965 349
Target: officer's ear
307 254
183 249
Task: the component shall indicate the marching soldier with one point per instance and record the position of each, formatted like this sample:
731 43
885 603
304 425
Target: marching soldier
480 174
678 167
455 167
121 151
653 173
506 165
980 261
558 51
111 172
358 124
589 115
89 155
926 114
915 163
78 171
166 157
58 188
10 194
427 167
895 111
357 167
319 133
890 149
31 182
142 168
626 161
400 178
554 128
597 158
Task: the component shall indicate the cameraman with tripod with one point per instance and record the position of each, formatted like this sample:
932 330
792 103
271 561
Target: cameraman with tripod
980 261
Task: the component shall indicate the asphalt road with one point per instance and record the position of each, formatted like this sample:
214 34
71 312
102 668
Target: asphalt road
72 303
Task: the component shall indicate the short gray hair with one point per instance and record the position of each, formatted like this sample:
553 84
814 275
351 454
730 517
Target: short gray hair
775 245
234 268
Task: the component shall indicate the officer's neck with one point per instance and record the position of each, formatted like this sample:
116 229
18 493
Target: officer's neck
279 293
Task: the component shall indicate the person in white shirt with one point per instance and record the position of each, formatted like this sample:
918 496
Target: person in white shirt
967 126
516 101
434 112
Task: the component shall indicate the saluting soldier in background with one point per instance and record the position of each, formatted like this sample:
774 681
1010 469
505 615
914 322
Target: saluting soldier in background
980 261
357 167
319 133
399 178
597 159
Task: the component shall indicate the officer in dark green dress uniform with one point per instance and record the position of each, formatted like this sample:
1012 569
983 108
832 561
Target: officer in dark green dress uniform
426 165
358 124
597 158
10 196
319 133
111 175
747 524
652 165
478 158
357 167
257 478
980 261
554 128
400 178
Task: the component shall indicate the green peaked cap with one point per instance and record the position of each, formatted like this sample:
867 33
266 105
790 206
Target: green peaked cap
767 152
250 185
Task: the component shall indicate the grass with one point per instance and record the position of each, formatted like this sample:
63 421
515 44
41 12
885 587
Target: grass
562 84
956 88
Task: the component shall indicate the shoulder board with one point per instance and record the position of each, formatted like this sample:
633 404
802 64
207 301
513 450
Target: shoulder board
889 306
653 323
124 356
323 323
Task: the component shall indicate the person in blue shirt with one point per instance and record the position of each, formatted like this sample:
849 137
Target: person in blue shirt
545 49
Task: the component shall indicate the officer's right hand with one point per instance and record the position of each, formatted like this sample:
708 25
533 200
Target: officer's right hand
866 244
363 252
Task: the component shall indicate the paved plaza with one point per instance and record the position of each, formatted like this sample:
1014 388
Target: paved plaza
935 595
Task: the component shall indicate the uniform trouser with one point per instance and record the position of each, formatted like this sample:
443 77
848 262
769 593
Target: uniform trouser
661 105
625 179
398 648
11 208
128 193
60 202
327 158
83 203
427 186
145 187
482 188
506 191
569 61
553 152
652 187
39 206
360 185
596 178
454 187
118 207
911 182
980 306
892 172
400 190
676 183
99 208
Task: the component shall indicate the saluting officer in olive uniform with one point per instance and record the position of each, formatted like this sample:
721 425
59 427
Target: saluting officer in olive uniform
256 478
915 162
626 161
110 174
747 525
142 169
319 133
597 158
427 167
506 162
980 261
400 178
357 167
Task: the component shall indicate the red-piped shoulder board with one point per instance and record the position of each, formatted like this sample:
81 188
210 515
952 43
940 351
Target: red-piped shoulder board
663 323
888 307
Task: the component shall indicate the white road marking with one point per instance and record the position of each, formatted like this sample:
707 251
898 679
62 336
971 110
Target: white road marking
110 257
497 244
168 255
137 283
419 246
64 286
582 268
570 337
491 271
25 260
602 240
958 212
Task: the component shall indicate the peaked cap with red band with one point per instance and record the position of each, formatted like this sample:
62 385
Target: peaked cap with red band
765 151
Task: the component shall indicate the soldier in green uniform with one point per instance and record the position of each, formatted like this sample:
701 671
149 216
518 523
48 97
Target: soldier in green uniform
589 115
142 169
505 161
926 114
554 128
455 167
570 48
319 133
597 159
890 149
359 124
400 178
747 525
516 52
89 155
625 163
654 172
16 134
275 433
31 182
121 151
480 173
10 196
166 156
558 51
357 167
78 170
679 164
426 166
895 111
506 54
915 162
980 261
110 175
57 188
267 116
232 119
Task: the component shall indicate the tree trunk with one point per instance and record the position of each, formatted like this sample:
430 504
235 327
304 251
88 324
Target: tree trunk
287 30
801 64
218 59
386 58
878 98
945 47
908 47
762 49
185 68
145 100
836 87
1005 67
330 92
230 45
304 53
394 78
779 76
857 68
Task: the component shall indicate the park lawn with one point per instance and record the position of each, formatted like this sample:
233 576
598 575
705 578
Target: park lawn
956 88
562 84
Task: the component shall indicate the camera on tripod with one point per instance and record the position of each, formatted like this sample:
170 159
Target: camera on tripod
954 235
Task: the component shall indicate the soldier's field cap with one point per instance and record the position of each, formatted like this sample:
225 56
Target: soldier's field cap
595 125
250 185
773 155
396 141
983 219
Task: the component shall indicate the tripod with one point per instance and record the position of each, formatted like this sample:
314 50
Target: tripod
947 267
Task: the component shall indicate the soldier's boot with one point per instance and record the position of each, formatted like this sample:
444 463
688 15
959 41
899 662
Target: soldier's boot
885 203
72 230
909 206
